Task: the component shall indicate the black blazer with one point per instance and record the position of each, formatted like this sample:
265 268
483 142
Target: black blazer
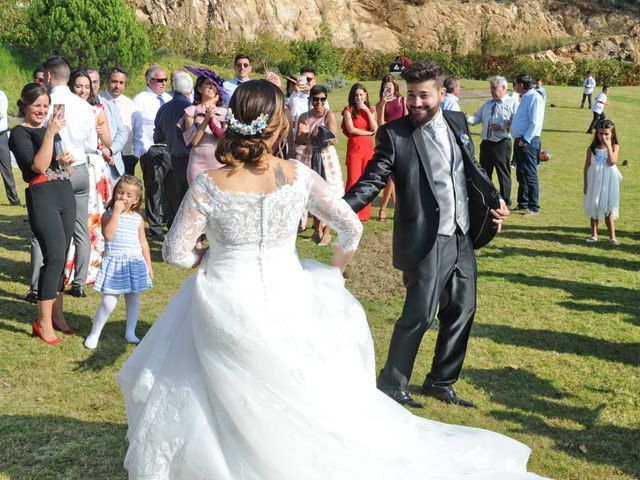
401 153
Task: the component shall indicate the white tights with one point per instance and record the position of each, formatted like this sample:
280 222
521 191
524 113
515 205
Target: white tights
108 304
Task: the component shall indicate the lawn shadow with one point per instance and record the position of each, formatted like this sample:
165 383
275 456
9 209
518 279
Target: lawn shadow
562 234
561 342
56 447
618 300
536 405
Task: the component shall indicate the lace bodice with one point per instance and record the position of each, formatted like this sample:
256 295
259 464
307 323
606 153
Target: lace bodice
256 220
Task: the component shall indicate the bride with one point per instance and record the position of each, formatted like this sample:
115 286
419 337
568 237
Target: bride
262 366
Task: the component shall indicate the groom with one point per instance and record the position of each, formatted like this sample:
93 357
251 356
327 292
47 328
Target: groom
446 207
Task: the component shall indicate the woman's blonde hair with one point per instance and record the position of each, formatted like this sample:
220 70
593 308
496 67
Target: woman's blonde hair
249 101
127 180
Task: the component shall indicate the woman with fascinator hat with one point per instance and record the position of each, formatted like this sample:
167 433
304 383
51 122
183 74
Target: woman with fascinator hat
203 122
262 366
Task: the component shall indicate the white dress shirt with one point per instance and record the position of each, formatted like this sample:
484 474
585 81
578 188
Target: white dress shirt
498 112
589 84
127 109
148 104
229 87
4 110
598 105
79 135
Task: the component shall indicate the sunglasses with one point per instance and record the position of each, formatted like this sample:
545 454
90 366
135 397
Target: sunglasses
160 80
39 79
310 79
318 99
243 65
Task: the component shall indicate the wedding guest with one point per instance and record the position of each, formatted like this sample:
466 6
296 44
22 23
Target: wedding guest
598 108
203 121
119 134
589 85
540 89
155 159
309 132
100 174
5 155
242 65
359 125
126 108
390 107
167 131
50 202
79 138
38 76
451 99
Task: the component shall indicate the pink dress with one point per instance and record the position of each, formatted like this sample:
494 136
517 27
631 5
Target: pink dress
203 155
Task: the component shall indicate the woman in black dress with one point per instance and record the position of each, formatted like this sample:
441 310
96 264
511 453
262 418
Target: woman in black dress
50 201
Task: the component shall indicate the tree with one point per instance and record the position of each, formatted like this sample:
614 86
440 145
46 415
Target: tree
97 34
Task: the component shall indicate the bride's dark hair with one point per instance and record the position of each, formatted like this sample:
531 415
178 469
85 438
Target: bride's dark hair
249 101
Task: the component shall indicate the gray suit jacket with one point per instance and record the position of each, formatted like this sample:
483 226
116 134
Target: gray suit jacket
119 136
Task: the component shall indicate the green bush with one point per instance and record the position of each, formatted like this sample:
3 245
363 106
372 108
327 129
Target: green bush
14 28
365 64
99 33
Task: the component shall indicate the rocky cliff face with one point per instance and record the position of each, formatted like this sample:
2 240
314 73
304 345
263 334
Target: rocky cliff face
599 31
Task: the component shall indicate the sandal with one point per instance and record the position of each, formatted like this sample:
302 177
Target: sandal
614 242
592 239
382 216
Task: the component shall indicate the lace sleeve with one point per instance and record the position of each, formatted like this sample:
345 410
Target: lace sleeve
330 208
179 245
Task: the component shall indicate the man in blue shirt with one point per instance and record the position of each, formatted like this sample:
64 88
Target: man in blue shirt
526 127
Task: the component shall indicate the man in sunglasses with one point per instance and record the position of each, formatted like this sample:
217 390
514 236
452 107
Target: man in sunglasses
243 68
155 160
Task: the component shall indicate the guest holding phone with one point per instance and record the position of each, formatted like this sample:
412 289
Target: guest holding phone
359 125
50 201
390 107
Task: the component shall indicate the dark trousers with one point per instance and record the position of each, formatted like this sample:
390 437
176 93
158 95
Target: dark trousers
445 281
179 165
597 118
158 181
52 214
584 97
5 170
526 159
498 155
130 163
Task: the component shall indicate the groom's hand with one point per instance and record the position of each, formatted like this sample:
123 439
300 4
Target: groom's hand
500 214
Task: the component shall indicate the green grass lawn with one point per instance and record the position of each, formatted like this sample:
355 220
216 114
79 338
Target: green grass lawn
553 360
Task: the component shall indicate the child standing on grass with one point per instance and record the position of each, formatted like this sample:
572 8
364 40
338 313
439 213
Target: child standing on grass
126 266
602 181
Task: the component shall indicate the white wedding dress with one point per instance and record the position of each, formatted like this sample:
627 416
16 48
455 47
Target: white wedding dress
262 366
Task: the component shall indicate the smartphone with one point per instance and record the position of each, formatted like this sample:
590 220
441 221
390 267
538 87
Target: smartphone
58 111
387 93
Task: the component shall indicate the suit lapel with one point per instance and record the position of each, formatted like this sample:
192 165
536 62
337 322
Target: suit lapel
423 156
458 133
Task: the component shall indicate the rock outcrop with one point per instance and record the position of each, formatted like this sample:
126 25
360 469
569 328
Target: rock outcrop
593 28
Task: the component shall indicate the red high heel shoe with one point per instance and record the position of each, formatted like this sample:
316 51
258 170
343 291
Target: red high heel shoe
68 331
36 332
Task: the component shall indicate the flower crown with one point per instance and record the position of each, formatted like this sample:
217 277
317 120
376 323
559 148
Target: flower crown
256 127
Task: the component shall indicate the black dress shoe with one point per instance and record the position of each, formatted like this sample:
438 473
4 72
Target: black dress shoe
401 397
446 395
31 297
77 292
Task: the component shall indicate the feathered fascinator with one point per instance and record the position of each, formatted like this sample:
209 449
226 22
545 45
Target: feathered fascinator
208 74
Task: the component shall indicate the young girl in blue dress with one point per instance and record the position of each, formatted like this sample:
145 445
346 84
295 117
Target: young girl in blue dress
126 266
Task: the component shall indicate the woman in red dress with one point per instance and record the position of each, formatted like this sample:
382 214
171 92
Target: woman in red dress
359 125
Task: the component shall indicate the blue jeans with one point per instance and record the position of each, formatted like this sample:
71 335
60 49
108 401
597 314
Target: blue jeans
526 159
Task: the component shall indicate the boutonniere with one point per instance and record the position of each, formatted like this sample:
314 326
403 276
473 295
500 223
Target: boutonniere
464 138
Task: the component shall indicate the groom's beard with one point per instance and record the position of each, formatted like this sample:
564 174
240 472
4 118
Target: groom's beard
420 116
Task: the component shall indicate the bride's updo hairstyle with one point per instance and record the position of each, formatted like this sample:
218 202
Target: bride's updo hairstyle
256 113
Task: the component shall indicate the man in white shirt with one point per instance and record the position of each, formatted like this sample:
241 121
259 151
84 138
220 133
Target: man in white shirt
79 137
154 159
598 108
451 98
242 64
114 94
5 154
495 150
589 84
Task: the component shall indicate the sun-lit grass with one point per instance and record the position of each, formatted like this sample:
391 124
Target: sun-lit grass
553 360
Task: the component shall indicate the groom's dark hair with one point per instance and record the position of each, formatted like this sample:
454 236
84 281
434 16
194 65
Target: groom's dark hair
422 71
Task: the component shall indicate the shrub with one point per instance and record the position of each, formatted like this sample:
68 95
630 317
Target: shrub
14 28
98 34
335 83
365 64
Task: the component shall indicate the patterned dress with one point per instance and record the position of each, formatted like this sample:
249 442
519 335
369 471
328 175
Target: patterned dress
124 269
